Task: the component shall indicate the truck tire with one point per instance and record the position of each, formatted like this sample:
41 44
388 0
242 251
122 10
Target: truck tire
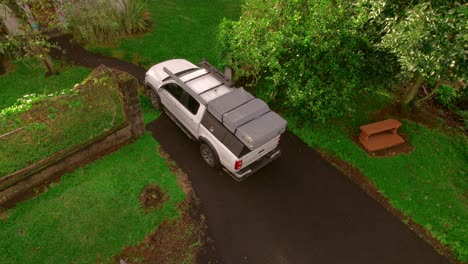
209 155
155 100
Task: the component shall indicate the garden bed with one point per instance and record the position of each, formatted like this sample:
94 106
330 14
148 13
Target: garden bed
38 126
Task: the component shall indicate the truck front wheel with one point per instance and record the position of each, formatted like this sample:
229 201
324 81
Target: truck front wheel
209 155
155 100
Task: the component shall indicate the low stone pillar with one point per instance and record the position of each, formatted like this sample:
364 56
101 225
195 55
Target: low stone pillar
128 86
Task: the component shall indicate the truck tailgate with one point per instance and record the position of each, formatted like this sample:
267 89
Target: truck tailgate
259 152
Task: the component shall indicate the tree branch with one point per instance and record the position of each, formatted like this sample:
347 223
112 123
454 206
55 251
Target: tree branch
430 94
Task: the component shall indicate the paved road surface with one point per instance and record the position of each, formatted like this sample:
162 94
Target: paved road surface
298 209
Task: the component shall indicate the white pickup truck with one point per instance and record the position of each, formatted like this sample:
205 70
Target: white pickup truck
234 129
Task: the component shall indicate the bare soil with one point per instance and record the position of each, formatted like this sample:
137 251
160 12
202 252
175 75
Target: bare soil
6 66
429 113
441 113
153 197
4 214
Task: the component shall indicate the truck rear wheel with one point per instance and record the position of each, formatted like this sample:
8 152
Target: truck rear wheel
209 155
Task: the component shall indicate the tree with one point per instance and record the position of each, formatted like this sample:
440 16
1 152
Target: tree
90 21
307 54
23 36
427 37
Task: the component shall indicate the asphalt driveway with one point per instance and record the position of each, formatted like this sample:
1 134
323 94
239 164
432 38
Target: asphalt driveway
298 209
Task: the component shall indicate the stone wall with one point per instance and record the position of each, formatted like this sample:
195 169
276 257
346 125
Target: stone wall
15 184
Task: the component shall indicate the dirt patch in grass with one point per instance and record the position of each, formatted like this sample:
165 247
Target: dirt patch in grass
429 113
6 66
358 178
4 214
182 240
153 197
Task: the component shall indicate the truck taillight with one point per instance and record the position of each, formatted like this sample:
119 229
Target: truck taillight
238 165
279 140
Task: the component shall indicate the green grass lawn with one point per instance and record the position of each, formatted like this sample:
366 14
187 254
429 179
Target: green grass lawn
428 185
30 78
149 113
93 213
181 29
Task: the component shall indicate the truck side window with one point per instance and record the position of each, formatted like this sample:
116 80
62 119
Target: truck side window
174 89
190 103
183 97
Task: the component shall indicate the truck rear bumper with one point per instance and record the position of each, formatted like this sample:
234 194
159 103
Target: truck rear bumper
249 170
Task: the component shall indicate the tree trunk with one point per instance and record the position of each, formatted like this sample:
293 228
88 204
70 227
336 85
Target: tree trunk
59 6
11 23
46 61
40 52
407 102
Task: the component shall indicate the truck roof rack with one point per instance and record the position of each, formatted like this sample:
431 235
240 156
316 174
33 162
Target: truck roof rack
224 78
184 86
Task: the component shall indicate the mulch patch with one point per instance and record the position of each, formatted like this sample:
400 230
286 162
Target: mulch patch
153 197
437 111
358 178
429 114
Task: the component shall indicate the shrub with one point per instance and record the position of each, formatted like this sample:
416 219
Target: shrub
106 22
307 53
446 95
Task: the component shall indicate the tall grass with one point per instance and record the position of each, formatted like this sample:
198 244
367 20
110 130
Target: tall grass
103 22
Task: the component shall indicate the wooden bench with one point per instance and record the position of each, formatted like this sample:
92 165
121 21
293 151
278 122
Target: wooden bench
380 135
